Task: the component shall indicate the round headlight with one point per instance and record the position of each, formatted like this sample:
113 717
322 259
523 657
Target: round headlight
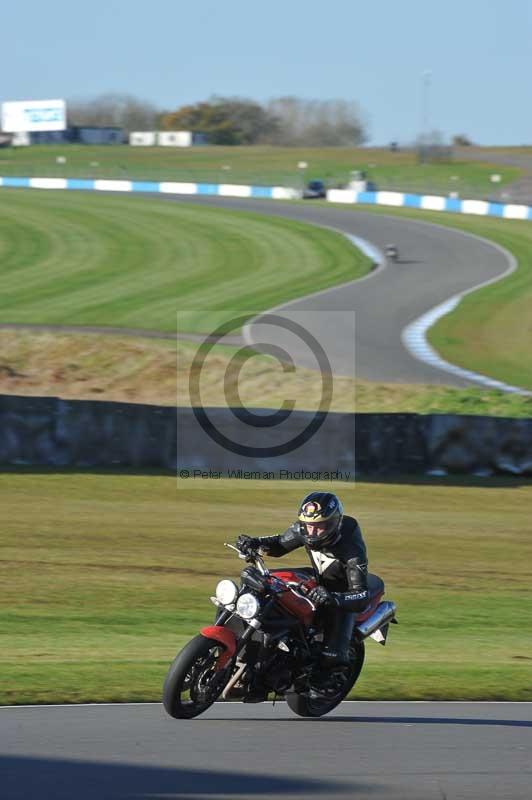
226 592
247 606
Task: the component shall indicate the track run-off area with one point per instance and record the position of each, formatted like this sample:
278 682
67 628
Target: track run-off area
378 750
437 264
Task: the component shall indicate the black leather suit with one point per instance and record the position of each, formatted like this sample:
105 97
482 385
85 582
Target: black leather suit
341 567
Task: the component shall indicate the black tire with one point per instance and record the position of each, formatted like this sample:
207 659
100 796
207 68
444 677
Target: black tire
300 703
192 683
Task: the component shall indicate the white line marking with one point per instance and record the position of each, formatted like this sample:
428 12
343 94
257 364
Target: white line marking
414 335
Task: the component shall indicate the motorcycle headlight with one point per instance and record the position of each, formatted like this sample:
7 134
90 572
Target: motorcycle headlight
226 592
247 606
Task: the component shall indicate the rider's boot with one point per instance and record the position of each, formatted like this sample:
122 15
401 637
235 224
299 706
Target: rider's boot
257 692
334 661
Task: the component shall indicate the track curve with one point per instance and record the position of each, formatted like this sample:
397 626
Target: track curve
382 751
436 263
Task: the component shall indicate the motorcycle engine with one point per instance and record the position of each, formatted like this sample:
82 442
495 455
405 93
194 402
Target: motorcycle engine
280 674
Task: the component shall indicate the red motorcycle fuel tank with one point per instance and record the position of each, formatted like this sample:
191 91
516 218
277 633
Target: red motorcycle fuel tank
291 601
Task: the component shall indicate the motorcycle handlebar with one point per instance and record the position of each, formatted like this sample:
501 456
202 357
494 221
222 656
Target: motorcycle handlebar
253 557
300 589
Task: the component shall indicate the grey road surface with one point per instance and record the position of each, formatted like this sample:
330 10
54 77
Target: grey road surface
436 263
380 751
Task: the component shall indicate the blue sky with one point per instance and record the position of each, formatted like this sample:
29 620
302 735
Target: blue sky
479 55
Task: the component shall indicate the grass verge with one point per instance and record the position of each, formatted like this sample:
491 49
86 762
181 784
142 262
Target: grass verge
124 369
105 576
268 166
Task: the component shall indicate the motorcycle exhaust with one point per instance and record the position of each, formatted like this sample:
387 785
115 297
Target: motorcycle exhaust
384 612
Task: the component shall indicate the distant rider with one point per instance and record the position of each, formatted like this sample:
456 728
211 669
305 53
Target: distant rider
392 252
336 548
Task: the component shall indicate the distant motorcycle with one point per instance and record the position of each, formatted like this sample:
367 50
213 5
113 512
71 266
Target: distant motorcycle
267 628
392 254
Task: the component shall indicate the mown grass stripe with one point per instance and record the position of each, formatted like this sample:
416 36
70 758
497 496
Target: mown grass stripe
120 261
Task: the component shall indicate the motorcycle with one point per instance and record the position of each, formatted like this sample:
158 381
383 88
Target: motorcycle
267 630
392 254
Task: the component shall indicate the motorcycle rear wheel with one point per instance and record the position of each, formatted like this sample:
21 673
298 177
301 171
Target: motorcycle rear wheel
192 682
304 706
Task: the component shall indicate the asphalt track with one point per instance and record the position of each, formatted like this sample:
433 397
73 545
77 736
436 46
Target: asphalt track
380 751
436 263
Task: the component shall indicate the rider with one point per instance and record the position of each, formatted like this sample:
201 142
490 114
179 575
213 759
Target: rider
335 545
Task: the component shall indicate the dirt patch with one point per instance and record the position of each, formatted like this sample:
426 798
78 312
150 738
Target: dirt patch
82 366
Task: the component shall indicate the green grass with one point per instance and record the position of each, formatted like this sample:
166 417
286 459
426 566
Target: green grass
131 262
256 165
105 576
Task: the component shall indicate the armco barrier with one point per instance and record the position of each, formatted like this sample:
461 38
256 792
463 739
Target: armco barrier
393 199
52 432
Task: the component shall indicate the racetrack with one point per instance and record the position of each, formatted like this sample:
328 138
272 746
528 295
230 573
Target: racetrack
364 320
383 751
436 264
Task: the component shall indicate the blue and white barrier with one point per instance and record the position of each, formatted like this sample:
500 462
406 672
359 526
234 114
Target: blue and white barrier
394 199
165 187
431 203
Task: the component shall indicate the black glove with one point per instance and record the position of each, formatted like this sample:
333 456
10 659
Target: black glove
247 544
321 597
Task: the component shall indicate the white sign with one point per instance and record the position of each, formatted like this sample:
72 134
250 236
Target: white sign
174 138
142 138
34 115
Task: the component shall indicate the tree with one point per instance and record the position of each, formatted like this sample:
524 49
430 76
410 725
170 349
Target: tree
317 123
225 120
431 147
283 121
115 110
461 140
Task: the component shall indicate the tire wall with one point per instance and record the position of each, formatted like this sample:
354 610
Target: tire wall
52 432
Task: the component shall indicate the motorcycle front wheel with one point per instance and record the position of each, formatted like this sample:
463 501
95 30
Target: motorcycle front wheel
303 705
193 681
